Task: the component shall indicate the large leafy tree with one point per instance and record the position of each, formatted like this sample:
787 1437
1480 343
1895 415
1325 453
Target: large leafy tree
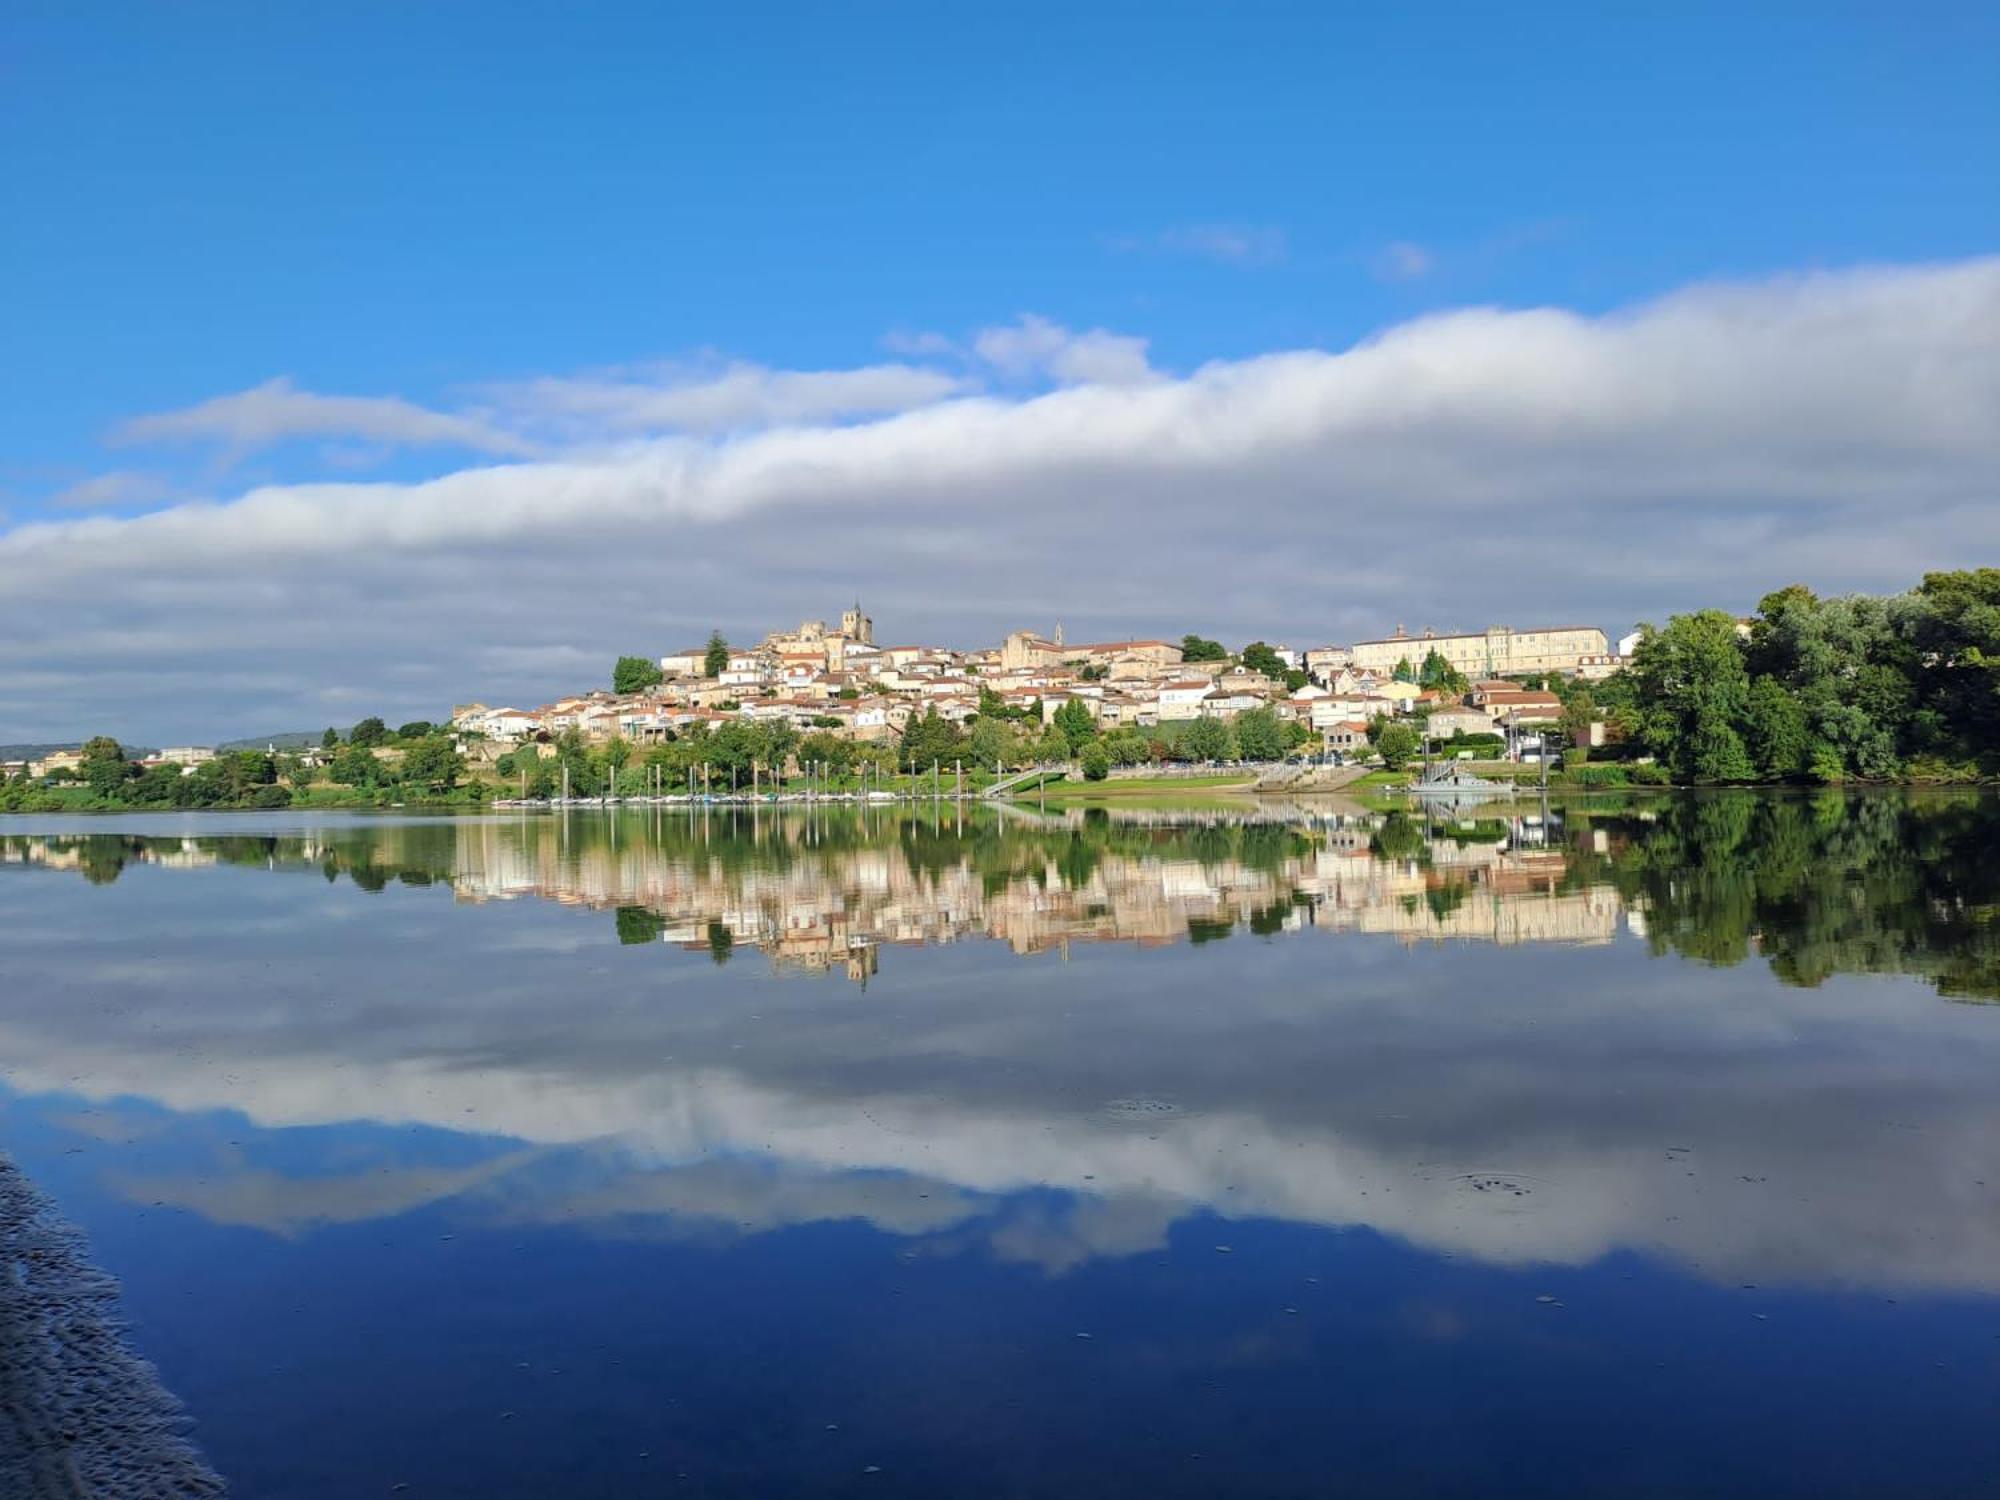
1441 675
1207 740
1694 690
735 747
432 765
1775 731
993 706
368 733
634 674
929 738
1127 747
1259 735
993 742
105 769
1951 625
1844 663
1397 744
1260 657
1075 721
825 748
356 765
1201 648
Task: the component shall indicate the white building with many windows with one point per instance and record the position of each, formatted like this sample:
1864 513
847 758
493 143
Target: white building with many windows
1500 651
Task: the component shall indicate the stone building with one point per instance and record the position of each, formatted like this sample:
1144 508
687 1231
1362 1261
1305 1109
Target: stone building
1499 651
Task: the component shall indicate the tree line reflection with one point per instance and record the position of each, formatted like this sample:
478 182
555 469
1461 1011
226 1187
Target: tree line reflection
1816 885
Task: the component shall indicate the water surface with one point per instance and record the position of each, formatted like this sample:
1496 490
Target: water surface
1654 1150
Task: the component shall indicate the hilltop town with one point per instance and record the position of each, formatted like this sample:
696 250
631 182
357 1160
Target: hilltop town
840 680
1808 690
1044 698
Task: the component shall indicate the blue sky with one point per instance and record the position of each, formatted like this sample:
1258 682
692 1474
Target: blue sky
446 204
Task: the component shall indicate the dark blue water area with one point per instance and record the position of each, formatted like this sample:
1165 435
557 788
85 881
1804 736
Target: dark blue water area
463 1357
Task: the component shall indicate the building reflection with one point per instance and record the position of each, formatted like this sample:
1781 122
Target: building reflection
825 895
1813 885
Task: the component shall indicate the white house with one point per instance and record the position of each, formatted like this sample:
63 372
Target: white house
690 663
501 723
1222 705
1182 698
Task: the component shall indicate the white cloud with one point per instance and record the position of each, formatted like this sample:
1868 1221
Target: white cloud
1403 260
736 397
278 411
1034 348
921 344
1232 244
106 491
1226 244
1695 450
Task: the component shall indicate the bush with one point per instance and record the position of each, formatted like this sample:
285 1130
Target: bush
1397 744
1096 763
1648 775
1599 776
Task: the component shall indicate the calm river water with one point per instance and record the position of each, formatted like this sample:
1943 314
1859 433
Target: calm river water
1649 1151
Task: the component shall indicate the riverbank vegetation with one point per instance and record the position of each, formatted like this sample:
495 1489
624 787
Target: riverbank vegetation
1815 690
415 764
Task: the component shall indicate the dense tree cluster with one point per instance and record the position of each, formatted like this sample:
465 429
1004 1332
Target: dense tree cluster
1441 676
738 754
1823 689
107 778
421 766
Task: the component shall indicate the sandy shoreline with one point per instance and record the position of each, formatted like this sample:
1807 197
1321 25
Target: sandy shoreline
81 1415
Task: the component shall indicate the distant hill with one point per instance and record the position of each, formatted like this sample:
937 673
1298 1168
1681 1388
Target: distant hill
33 752
296 739
36 752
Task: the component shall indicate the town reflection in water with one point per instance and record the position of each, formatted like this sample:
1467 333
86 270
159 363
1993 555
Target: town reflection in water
824 894
1817 884
1280 1107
